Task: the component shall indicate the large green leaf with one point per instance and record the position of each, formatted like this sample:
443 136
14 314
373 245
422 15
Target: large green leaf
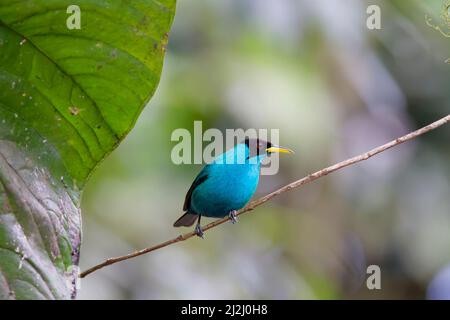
67 98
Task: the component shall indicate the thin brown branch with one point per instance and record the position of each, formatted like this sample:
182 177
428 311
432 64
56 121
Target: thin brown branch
292 185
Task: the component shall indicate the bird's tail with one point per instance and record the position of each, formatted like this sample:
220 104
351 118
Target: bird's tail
186 220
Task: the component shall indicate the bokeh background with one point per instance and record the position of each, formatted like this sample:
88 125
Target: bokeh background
334 89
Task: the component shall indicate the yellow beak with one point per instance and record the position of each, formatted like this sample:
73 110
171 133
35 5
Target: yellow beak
278 149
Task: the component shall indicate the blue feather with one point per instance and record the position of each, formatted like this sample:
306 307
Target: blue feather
226 184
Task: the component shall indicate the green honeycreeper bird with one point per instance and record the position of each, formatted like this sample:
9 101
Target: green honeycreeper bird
226 184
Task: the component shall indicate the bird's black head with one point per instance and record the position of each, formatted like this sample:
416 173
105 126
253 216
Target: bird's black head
259 146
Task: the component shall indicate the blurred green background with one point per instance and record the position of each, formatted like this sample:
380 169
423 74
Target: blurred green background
334 89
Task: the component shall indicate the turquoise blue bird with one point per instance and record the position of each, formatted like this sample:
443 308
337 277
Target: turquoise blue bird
226 184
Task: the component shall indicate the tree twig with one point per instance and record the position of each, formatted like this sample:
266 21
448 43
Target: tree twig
295 184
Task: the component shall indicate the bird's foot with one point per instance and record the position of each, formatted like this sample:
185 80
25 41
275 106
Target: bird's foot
199 231
233 216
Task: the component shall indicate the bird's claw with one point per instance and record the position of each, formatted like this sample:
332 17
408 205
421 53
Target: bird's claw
233 216
199 231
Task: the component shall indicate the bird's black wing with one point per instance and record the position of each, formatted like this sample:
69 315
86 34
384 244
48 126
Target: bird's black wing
202 176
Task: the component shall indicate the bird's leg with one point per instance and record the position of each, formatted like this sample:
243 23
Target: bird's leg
233 216
198 228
